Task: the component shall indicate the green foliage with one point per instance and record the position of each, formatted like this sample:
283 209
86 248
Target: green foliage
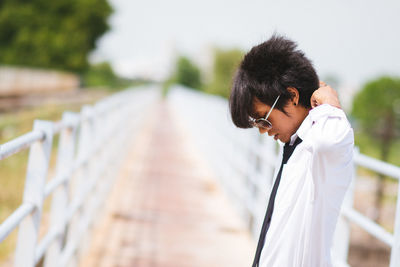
166 85
187 73
376 109
371 147
101 75
51 34
224 67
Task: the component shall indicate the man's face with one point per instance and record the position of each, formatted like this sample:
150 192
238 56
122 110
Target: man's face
283 125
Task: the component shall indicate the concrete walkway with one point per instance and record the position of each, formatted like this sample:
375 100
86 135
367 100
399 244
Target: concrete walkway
166 208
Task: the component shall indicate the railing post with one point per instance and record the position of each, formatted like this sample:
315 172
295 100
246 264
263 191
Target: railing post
38 163
92 173
395 253
65 160
78 183
98 169
105 156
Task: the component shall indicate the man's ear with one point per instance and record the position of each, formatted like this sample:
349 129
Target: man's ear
294 95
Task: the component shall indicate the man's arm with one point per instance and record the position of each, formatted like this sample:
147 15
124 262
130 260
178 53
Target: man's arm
331 130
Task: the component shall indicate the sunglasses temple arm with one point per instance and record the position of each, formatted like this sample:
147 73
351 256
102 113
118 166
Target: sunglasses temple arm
273 105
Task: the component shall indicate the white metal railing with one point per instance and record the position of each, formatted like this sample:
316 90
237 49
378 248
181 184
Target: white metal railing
245 163
100 134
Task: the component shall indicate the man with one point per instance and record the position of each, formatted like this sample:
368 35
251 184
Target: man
277 90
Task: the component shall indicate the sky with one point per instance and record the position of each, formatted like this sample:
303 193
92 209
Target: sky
352 40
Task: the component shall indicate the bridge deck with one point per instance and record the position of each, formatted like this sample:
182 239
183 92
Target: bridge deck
166 208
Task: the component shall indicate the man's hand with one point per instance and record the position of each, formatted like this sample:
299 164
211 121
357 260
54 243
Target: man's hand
325 95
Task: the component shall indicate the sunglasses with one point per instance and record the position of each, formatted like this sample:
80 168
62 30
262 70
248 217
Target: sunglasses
264 123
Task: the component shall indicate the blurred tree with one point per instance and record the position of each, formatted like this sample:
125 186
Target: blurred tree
102 75
224 67
51 34
187 73
376 110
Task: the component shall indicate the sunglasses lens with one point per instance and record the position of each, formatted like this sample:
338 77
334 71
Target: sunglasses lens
263 124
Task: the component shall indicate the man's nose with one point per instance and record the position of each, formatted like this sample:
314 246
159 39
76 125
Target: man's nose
263 130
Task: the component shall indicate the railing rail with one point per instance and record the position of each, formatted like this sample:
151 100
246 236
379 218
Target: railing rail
82 178
245 163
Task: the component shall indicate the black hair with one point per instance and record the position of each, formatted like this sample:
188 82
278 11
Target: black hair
265 72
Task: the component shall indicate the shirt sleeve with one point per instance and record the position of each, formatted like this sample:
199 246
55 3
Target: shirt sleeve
331 131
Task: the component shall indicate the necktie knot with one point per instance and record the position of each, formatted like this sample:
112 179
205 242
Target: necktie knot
288 150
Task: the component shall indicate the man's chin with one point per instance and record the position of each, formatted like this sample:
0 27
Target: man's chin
283 139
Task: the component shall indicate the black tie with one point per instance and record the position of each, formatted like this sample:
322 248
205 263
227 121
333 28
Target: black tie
287 152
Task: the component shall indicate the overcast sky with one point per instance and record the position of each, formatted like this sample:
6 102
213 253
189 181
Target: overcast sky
353 40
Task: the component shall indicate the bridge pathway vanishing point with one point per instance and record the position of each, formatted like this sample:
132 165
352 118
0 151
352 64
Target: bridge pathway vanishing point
166 208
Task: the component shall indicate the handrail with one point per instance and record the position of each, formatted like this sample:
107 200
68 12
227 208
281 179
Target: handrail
368 225
14 219
20 143
377 165
80 183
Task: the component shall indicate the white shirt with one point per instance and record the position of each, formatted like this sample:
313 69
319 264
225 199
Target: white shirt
311 191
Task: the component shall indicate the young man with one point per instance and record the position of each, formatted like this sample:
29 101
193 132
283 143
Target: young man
277 90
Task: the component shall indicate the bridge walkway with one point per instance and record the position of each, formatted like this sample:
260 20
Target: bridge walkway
166 208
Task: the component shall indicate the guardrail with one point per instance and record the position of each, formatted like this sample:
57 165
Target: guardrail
82 179
245 162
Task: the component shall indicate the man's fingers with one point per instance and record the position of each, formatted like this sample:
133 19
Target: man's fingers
321 83
314 103
324 95
313 100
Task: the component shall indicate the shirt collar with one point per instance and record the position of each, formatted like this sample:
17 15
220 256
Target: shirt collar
302 131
